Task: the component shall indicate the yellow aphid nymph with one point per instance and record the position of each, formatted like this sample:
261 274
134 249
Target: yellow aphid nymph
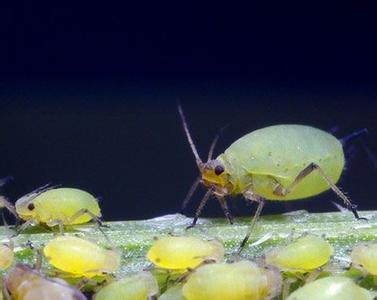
242 280
179 253
80 257
364 257
305 254
331 288
141 286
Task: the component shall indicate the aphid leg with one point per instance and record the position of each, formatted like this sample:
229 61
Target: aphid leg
203 202
25 225
56 222
250 195
282 191
84 211
9 206
191 192
224 206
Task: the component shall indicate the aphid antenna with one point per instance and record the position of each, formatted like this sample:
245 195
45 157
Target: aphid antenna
199 162
5 180
353 136
214 142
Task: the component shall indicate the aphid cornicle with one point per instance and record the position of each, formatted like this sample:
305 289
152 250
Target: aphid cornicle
281 162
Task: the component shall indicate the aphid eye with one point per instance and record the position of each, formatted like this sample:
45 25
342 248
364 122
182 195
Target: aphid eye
219 169
30 206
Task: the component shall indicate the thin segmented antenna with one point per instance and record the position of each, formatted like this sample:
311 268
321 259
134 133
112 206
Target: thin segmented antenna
189 138
214 142
353 135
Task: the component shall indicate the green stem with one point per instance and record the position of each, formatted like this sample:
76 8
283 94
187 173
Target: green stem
135 237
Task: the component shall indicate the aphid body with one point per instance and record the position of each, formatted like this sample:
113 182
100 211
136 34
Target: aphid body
276 155
173 293
364 257
331 288
56 206
183 252
305 254
24 283
281 162
242 280
6 256
80 257
140 286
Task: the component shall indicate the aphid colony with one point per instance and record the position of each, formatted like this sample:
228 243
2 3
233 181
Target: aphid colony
199 272
284 162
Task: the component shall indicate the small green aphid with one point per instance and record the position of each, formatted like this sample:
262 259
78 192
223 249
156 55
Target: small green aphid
80 257
242 280
57 206
281 162
331 288
364 257
25 283
305 254
6 255
173 293
141 286
184 252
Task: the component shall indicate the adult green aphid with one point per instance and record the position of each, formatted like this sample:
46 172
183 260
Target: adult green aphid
281 162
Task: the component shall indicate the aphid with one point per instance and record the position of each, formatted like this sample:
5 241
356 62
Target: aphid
364 257
80 257
331 288
141 286
4 202
235 281
183 252
25 283
173 293
57 206
281 162
305 254
6 255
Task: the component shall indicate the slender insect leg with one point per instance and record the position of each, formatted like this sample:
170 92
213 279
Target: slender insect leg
281 191
224 206
254 220
191 192
25 225
84 211
9 206
60 223
203 202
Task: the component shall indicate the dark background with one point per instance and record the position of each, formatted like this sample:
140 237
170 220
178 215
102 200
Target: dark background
88 93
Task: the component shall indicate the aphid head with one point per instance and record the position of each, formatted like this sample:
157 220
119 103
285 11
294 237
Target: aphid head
25 208
213 173
215 176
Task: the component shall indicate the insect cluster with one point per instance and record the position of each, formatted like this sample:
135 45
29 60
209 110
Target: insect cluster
284 162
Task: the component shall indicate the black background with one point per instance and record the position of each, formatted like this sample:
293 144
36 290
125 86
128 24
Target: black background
88 92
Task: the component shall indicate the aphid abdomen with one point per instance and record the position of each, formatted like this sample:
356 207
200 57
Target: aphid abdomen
277 154
63 203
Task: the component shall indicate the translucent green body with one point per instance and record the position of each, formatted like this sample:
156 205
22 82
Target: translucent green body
141 286
278 153
305 254
59 204
331 288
